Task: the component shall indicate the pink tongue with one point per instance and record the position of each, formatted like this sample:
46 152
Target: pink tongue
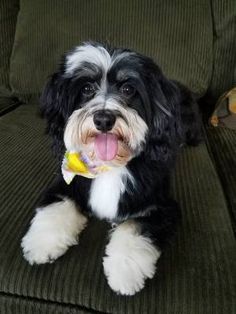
106 145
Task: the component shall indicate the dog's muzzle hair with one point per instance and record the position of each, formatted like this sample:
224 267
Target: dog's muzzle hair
106 114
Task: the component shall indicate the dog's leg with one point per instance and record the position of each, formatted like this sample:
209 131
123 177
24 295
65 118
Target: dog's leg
130 259
54 228
133 250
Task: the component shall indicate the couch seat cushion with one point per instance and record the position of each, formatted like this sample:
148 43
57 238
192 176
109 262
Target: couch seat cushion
196 274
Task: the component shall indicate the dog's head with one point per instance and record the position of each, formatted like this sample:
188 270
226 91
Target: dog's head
114 102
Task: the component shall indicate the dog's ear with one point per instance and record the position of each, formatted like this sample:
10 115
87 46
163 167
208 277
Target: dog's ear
186 111
161 142
175 118
54 108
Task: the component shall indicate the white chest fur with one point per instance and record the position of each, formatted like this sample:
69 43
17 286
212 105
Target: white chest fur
106 190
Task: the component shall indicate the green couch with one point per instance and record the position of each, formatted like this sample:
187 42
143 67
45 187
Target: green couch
194 42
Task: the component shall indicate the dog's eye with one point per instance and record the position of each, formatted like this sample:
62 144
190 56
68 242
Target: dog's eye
88 89
127 90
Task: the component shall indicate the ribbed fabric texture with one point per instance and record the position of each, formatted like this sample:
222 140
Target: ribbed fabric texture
8 16
6 104
224 25
178 35
12 304
222 144
195 275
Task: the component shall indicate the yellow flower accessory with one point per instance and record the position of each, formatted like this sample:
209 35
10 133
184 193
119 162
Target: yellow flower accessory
75 163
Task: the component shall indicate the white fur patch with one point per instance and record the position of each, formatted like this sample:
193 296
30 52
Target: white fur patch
88 53
95 55
131 258
106 190
53 229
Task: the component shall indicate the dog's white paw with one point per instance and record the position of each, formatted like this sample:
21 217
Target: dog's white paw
131 258
53 230
37 249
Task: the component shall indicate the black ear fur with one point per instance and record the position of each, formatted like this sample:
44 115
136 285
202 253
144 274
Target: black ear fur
175 118
53 105
161 140
190 119
185 110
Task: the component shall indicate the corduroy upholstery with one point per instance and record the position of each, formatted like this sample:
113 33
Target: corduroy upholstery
224 47
222 145
193 42
159 29
8 17
195 275
7 104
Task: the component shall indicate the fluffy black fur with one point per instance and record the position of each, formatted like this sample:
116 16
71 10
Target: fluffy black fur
171 113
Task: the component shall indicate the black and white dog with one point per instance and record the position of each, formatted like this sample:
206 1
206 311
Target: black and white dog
99 90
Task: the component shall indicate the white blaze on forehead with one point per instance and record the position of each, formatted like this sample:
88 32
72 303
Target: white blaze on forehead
88 53
97 55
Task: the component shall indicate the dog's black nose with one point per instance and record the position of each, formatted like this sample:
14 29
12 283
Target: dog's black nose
104 120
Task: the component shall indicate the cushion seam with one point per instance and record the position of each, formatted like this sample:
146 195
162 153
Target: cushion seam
43 301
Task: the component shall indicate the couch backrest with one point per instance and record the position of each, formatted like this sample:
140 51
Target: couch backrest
177 34
224 47
8 17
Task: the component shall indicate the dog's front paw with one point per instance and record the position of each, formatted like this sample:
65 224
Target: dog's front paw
41 247
53 230
131 259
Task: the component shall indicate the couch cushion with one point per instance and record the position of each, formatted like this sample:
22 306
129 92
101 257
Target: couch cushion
13 304
224 25
178 36
8 16
7 104
195 275
222 145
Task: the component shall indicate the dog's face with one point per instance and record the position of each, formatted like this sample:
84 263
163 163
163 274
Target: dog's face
110 116
108 103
